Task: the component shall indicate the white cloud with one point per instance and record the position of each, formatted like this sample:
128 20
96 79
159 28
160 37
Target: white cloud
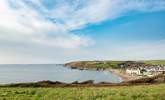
36 24
95 11
24 23
133 51
31 20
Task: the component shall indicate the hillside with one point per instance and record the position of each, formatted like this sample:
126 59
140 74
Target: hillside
94 64
155 62
108 64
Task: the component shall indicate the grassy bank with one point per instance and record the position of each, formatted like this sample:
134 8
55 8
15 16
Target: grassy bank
142 92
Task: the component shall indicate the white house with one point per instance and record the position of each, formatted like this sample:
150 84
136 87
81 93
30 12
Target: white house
133 71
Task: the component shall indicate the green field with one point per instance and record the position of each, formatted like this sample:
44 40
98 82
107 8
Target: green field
155 62
108 64
95 64
143 92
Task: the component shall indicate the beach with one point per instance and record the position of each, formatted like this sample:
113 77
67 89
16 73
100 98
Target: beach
123 74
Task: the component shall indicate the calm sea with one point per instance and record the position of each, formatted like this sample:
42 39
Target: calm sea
17 73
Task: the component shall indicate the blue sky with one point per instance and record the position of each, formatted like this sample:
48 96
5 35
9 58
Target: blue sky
134 27
58 31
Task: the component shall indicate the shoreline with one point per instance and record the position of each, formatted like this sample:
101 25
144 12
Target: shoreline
121 73
109 66
128 80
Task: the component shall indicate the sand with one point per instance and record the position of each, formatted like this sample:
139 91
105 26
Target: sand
123 74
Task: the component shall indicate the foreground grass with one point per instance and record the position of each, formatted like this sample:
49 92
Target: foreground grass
143 92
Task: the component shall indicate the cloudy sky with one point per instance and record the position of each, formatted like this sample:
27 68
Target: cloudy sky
58 31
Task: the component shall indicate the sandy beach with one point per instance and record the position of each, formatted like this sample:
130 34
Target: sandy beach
123 74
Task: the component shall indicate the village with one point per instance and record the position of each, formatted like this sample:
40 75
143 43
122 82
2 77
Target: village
142 69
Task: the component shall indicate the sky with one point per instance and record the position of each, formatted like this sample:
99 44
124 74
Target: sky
59 31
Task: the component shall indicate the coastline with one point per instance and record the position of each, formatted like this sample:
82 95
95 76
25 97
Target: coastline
115 67
109 66
127 80
121 73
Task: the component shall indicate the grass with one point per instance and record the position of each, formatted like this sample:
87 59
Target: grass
114 64
107 64
110 64
155 62
143 92
100 64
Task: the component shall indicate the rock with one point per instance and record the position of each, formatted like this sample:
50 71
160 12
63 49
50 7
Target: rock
87 82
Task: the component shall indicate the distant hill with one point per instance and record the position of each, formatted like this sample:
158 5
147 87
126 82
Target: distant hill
94 64
108 64
154 62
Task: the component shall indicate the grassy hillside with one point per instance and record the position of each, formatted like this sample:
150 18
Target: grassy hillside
107 64
94 64
155 62
143 92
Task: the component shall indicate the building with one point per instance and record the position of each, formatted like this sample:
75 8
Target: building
133 71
